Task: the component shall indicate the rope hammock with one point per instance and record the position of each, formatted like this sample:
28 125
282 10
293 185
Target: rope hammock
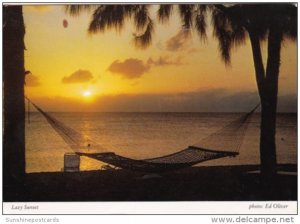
225 142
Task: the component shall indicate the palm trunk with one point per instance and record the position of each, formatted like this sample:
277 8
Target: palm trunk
258 63
269 107
14 107
267 83
267 140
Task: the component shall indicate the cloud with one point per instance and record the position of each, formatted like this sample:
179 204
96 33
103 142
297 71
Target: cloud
32 80
163 61
131 68
214 100
178 42
78 76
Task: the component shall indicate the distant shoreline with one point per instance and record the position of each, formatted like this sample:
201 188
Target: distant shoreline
143 112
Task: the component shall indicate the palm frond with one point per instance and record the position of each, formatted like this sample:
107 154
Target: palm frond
288 18
129 10
238 36
75 10
222 31
108 17
145 39
186 15
141 17
200 21
256 16
164 12
225 45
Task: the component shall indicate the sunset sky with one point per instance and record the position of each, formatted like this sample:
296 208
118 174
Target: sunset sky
76 71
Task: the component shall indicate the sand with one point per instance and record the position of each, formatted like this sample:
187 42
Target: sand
218 183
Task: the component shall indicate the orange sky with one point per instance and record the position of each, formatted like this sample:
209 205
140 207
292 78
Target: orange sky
74 71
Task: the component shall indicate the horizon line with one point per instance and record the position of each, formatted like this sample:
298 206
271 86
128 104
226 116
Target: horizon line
279 112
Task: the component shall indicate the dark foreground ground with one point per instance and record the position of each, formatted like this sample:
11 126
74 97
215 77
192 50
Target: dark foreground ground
222 183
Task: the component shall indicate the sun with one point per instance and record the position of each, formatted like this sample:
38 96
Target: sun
86 93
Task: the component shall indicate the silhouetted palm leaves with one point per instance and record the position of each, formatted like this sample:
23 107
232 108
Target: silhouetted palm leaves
75 10
232 23
106 17
200 20
164 12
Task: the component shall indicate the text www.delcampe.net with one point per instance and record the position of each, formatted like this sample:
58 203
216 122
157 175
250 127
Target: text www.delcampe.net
252 219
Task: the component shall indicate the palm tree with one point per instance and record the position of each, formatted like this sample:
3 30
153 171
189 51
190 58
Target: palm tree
260 22
13 101
232 24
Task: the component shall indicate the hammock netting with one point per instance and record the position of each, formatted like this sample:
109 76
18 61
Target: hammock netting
225 142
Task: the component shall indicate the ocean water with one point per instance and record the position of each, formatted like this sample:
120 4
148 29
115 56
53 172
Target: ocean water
146 135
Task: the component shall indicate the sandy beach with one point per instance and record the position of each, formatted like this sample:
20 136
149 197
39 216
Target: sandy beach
219 183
